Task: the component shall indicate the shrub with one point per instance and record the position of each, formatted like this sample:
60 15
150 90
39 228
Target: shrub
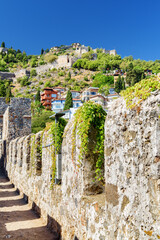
62 73
101 80
40 83
50 58
33 72
23 81
47 84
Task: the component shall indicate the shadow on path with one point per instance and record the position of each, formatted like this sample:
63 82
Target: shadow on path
17 220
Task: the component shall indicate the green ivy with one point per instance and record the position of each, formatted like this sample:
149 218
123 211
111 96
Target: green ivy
57 130
89 116
140 91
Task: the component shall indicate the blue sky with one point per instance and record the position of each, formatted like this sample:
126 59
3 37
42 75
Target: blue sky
130 27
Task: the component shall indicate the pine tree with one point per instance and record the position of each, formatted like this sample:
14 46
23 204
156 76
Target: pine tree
38 96
69 102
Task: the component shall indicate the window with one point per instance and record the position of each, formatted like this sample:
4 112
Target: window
48 95
93 93
58 106
54 95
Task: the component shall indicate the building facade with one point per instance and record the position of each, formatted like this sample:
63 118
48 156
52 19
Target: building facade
88 93
58 104
47 96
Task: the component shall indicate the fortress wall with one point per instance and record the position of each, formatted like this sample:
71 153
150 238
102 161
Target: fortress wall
66 208
132 170
80 208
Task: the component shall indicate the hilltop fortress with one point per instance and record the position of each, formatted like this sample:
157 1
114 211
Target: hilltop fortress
126 207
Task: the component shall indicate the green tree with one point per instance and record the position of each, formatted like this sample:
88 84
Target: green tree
8 94
2 89
123 84
102 80
40 118
131 75
104 89
3 44
38 96
42 51
69 102
69 75
118 84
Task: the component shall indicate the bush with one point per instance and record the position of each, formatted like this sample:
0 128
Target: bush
50 58
33 72
40 83
41 62
86 78
33 63
39 122
47 84
102 80
62 73
23 81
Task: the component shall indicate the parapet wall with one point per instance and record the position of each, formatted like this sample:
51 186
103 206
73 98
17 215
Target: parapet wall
132 170
80 208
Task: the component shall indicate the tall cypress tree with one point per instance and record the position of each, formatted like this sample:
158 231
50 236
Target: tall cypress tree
123 84
42 51
69 102
118 85
3 44
8 94
38 96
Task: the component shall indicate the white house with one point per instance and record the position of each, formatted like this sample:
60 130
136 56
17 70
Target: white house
89 92
100 100
57 105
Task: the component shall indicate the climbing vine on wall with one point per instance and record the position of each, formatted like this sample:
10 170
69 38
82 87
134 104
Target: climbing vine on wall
57 130
32 154
90 116
140 91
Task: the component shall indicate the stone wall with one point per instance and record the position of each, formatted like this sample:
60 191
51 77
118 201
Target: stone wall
7 75
132 170
80 208
22 73
3 107
17 118
15 121
72 209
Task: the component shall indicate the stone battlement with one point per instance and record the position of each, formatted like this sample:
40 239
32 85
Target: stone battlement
126 206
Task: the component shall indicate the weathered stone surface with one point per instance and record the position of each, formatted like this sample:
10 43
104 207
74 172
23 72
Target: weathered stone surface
132 150
112 194
130 206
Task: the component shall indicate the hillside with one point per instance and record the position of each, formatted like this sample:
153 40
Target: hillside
73 67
